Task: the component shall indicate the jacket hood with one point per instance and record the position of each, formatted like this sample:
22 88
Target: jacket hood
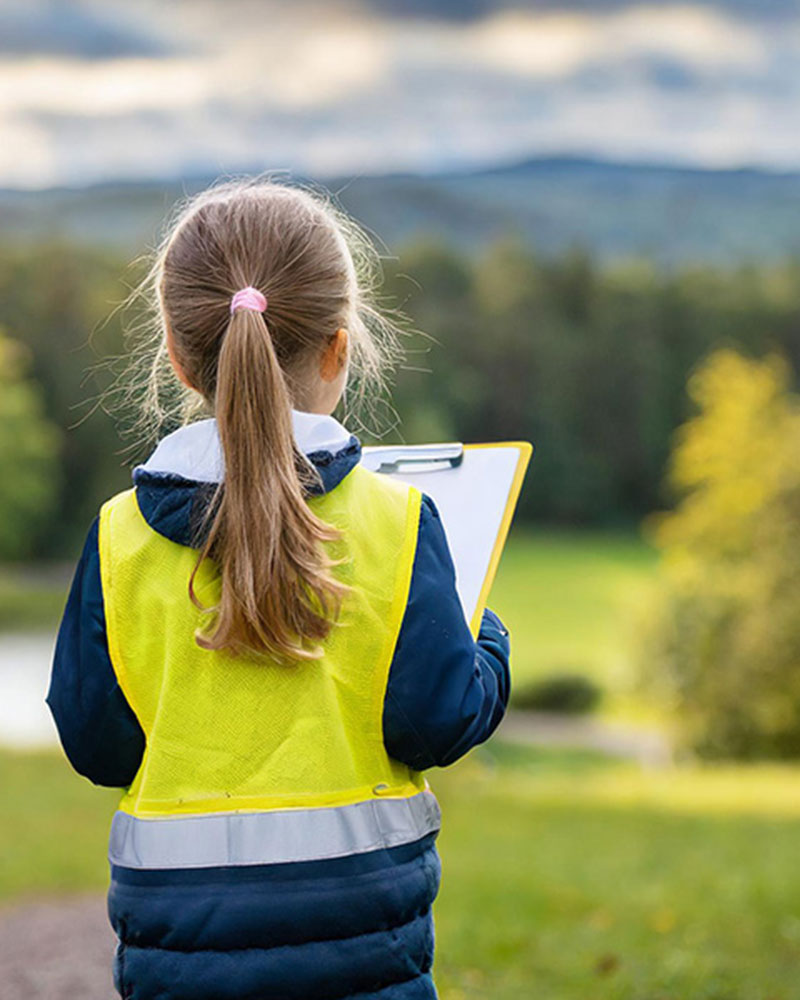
176 483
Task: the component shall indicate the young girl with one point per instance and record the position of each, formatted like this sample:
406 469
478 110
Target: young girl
263 644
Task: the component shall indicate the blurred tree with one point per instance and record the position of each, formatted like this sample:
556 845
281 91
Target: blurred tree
433 284
587 362
53 297
723 641
28 453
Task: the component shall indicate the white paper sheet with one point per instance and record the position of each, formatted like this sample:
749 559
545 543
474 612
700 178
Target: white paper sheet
471 499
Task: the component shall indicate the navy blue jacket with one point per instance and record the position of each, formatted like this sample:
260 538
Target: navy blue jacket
309 930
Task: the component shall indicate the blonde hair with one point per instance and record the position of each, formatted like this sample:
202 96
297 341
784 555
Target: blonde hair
318 270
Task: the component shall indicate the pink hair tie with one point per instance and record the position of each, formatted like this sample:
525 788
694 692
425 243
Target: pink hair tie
248 298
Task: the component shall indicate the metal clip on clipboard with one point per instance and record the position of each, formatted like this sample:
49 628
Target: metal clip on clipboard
416 458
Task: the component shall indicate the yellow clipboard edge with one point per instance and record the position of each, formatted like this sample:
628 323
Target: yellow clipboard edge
525 452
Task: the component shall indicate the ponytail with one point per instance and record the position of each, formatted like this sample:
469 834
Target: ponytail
277 590
278 594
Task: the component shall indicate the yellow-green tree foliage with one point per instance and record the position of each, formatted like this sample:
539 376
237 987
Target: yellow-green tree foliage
725 637
28 450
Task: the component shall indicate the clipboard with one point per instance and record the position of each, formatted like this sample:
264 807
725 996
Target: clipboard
475 488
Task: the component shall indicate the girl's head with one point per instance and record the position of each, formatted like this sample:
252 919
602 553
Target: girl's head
292 247
316 270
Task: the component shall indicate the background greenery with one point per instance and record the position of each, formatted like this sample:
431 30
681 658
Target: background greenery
565 871
588 361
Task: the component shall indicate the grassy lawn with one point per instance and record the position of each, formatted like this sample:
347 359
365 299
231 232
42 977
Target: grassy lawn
609 883
32 599
54 827
566 595
566 877
570 601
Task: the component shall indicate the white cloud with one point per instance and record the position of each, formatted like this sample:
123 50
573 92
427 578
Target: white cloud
73 87
556 45
318 89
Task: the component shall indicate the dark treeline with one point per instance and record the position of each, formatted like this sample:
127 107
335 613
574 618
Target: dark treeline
588 362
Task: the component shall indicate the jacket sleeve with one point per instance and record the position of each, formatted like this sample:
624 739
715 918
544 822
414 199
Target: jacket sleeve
99 732
446 691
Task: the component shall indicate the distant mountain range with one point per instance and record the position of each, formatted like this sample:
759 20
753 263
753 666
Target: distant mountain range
618 210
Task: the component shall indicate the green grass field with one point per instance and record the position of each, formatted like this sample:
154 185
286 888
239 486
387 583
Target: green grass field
570 600
32 599
573 879
566 876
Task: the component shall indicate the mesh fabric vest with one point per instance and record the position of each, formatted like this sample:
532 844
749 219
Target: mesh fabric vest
233 733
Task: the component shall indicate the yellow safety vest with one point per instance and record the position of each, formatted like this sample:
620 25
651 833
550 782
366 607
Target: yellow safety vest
248 761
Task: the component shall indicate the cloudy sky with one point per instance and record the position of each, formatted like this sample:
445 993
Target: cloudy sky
92 90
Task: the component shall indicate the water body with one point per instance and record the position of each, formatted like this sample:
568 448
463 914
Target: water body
25 721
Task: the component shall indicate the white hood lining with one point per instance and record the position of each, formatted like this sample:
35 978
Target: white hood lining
194 451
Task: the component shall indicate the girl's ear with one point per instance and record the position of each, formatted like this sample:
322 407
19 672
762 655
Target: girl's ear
174 361
334 357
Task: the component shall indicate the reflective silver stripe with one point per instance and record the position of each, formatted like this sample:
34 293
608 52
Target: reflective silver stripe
259 838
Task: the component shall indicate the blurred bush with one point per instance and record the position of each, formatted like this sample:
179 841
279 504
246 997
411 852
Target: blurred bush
28 455
572 694
723 640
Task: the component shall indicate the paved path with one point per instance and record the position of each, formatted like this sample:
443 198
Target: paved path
650 747
56 950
